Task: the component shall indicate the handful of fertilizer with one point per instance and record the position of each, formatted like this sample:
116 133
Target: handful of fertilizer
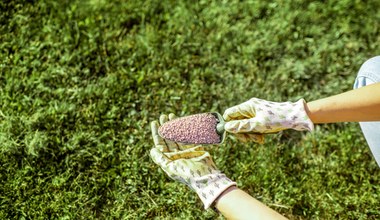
204 128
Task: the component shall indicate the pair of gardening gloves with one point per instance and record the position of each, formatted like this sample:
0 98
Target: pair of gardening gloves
193 166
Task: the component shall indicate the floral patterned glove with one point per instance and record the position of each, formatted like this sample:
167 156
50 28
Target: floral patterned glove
261 116
191 165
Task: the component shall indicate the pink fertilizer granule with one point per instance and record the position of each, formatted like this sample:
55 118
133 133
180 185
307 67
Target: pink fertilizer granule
193 129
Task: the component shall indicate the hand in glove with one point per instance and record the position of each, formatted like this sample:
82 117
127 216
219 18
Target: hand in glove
261 116
189 164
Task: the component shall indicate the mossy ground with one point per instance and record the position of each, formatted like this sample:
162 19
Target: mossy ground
80 81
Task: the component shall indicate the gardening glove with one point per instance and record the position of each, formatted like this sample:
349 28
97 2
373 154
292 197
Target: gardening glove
261 116
191 165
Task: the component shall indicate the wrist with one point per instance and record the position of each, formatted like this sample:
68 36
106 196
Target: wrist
225 192
309 111
216 185
301 119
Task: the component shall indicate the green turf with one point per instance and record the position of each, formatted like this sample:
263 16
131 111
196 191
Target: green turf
81 80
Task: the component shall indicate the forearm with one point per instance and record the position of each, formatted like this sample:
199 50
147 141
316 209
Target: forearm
236 204
361 104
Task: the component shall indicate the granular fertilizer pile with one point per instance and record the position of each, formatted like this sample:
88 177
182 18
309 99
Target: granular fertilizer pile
195 129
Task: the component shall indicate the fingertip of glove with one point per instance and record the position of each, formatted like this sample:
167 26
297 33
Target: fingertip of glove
163 118
152 152
154 125
172 116
260 140
242 138
229 127
225 115
155 154
236 126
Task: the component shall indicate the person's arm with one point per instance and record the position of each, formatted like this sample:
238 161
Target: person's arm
361 104
234 203
193 166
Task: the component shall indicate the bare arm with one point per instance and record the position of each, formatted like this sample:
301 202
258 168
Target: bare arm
236 204
361 104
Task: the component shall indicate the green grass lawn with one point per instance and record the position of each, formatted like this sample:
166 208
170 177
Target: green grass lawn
80 81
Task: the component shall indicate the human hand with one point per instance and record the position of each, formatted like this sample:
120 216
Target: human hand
189 164
261 116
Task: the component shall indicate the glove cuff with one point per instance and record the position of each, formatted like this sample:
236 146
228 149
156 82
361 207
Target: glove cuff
302 121
209 187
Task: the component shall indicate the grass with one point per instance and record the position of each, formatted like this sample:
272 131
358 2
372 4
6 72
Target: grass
81 80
